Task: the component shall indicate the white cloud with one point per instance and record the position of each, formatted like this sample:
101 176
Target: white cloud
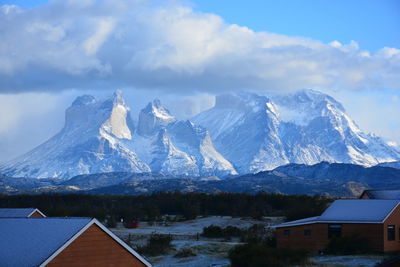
168 46
94 42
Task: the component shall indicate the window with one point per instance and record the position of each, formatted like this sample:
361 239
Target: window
391 233
307 232
286 232
334 230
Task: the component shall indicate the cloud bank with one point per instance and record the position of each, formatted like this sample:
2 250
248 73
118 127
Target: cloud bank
167 45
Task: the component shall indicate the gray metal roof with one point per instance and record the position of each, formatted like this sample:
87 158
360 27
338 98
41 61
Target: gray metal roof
359 210
351 211
30 241
16 213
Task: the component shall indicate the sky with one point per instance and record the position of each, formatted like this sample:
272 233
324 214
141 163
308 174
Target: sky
186 52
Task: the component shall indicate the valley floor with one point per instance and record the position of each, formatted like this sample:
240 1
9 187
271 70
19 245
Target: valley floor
214 252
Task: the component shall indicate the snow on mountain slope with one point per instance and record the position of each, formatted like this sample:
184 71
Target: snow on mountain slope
153 117
99 136
245 129
257 133
90 142
326 132
196 141
242 133
176 147
393 164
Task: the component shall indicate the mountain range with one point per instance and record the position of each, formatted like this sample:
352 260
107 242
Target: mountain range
243 133
328 179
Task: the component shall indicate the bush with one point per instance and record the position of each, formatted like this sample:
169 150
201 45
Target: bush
254 234
156 245
214 231
270 240
232 231
257 255
349 245
184 253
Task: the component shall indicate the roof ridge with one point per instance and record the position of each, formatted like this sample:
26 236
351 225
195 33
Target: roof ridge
47 218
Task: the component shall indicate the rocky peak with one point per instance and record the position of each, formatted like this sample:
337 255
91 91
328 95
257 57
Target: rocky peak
154 117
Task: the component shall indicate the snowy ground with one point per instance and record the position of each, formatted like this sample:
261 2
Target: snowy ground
214 252
209 252
348 261
192 227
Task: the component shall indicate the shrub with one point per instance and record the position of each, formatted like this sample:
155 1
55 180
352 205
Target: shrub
232 231
156 245
254 234
348 245
270 240
185 252
213 231
257 255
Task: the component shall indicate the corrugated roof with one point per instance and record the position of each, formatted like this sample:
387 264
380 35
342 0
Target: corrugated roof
298 222
358 210
383 194
16 213
30 241
351 211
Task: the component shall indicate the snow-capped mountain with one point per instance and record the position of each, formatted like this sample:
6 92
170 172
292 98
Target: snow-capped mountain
90 142
257 133
393 164
245 129
99 136
175 147
242 133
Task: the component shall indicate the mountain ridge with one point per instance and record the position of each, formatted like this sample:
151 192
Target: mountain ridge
243 133
329 179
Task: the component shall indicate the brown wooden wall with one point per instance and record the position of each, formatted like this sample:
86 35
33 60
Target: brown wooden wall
95 248
36 215
319 236
364 196
393 219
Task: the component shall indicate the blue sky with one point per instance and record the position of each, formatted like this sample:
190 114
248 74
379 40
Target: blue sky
373 24
54 51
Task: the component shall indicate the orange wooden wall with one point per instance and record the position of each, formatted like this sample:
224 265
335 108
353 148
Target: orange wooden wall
95 248
36 215
319 236
393 219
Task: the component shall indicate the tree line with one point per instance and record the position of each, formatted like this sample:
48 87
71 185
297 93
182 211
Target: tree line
152 207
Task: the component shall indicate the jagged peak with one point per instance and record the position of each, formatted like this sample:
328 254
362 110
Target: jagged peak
310 95
110 116
156 103
241 100
158 110
161 112
153 117
83 100
118 98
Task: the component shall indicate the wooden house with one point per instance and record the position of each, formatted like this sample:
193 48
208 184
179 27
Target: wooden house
62 242
380 194
376 220
21 213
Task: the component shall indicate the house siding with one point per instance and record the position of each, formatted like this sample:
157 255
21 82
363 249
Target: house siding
318 240
36 214
94 247
364 196
393 219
